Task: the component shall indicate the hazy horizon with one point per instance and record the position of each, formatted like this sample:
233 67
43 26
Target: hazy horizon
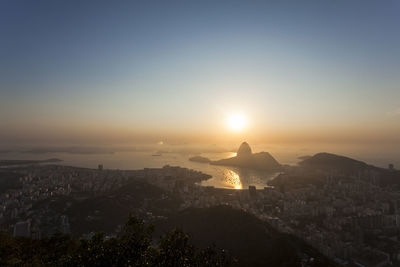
134 72
200 133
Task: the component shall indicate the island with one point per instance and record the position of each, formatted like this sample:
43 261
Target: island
200 159
245 158
6 162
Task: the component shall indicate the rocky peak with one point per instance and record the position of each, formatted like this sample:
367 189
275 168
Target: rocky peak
244 150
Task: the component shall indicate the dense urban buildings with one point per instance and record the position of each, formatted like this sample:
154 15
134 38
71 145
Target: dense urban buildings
350 218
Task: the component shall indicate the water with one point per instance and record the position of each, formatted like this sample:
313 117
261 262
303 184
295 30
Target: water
222 177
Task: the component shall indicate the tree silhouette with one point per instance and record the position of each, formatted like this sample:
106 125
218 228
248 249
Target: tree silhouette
133 246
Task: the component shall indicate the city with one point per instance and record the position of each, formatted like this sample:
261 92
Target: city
348 218
221 133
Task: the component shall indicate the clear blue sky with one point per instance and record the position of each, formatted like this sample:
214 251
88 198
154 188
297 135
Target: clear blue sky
123 69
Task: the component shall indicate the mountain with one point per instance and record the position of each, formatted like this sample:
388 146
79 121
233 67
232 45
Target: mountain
244 150
327 161
104 212
248 239
246 159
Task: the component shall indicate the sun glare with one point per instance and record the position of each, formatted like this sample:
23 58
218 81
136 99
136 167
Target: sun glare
237 122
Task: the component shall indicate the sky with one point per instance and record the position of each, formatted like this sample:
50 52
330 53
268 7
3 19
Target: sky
176 71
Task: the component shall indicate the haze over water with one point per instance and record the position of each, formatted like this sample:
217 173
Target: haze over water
301 77
222 176
200 72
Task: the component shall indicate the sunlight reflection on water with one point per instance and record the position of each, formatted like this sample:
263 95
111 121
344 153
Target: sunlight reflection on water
222 176
232 179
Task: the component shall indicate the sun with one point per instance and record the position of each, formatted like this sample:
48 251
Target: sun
236 122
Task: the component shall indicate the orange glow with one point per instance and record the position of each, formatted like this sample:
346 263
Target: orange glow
233 179
236 122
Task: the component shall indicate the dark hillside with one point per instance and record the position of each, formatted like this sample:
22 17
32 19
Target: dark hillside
250 240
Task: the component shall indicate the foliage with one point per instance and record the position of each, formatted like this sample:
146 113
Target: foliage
133 246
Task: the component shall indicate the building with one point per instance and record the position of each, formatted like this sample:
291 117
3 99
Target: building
252 191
